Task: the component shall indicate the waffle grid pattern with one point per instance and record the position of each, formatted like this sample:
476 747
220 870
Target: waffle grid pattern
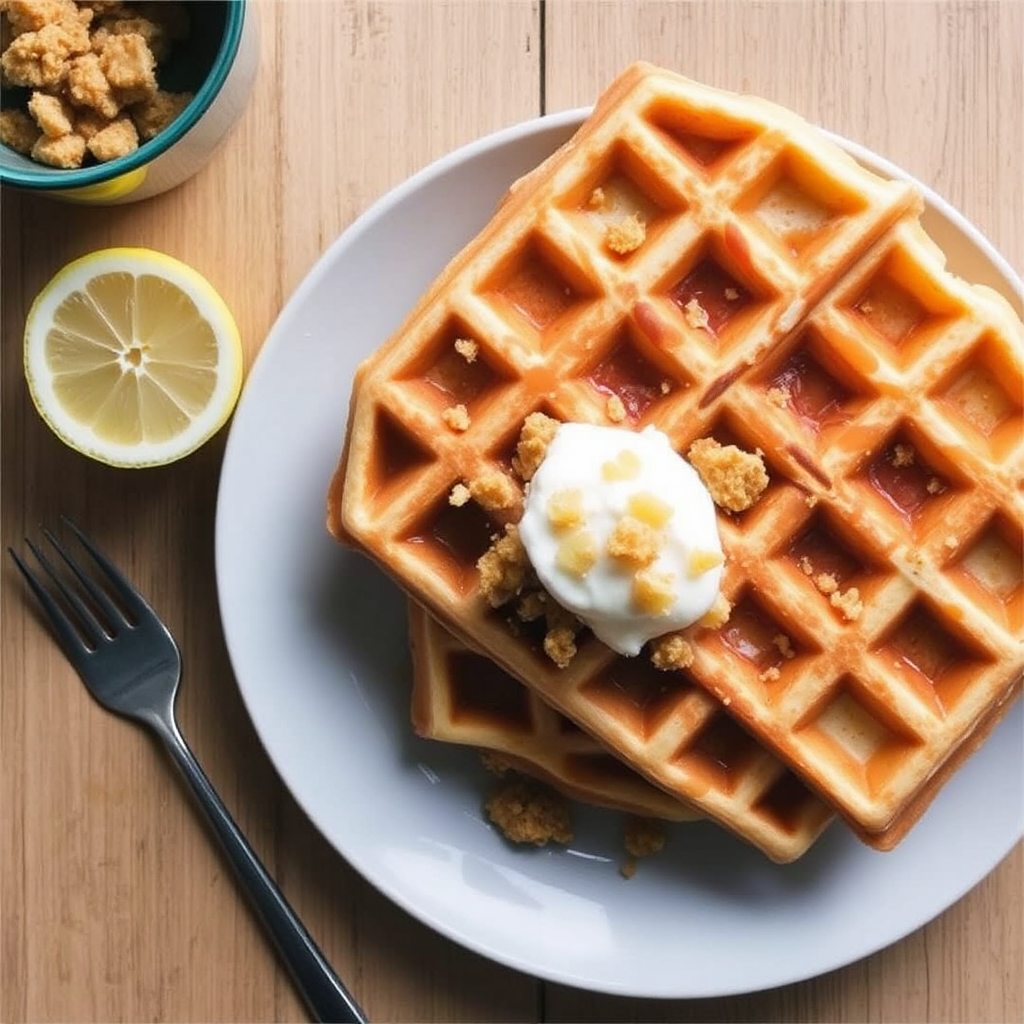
462 697
819 288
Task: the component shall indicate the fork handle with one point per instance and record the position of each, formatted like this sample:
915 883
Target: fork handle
320 988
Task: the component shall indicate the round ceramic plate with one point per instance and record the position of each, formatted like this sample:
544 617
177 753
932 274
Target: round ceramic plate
317 638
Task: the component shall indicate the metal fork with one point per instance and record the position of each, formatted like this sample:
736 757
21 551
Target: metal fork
130 663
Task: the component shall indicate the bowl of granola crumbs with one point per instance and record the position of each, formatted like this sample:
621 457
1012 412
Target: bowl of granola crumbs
112 101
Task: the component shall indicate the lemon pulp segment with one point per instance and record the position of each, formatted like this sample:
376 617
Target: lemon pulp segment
132 358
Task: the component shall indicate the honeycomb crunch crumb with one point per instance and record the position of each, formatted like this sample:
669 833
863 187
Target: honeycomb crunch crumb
902 455
696 315
642 837
634 541
51 113
614 409
717 615
460 494
935 486
847 603
537 433
665 387
153 115
779 396
66 152
784 645
826 583
528 812
493 491
731 294
805 566
625 235
597 200
467 348
531 606
90 62
811 500
560 645
503 567
456 417
735 478
495 763
18 131
770 674
117 139
671 652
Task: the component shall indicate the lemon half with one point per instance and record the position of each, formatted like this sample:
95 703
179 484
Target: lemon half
132 357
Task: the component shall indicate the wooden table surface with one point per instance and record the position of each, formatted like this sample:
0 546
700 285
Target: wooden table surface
115 903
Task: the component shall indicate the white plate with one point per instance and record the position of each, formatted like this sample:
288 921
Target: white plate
317 639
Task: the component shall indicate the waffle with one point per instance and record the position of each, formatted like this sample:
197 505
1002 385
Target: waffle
781 298
462 697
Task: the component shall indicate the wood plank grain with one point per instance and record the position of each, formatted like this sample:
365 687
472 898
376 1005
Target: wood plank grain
116 903
936 88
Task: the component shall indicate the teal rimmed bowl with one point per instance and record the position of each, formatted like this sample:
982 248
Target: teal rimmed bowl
217 62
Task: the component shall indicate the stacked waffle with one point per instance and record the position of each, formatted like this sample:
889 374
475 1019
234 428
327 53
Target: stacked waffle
711 265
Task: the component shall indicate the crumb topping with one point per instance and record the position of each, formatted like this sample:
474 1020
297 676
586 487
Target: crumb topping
670 652
467 348
770 674
495 763
503 568
597 200
92 68
626 235
634 541
531 606
560 645
735 478
18 131
614 409
779 396
784 645
696 315
456 417
731 294
718 614
826 583
537 433
935 486
642 837
529 812
902 455
494 491
460 494
847 603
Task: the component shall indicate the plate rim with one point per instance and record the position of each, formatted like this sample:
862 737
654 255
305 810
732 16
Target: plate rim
349 237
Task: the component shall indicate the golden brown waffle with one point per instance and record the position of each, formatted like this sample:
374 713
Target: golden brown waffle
462 697
783 298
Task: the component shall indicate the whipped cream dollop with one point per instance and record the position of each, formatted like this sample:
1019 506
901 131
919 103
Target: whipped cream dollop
622 531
